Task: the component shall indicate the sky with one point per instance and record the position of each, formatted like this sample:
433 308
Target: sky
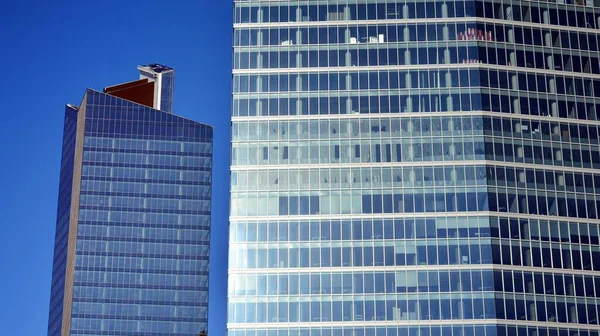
51 51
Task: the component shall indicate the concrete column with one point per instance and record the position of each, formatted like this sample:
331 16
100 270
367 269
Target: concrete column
525 231
573 314
447 57
510 36
518 128
450 103
461 310
561 180
409 104
548 39
558 155
259 107
532 312
556 130
550 62
259 61
516 106
259 84
546 17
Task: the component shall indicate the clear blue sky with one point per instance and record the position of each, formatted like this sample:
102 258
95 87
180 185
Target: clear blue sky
51 51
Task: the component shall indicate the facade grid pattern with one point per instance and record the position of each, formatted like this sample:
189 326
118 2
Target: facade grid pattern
415 168
142 235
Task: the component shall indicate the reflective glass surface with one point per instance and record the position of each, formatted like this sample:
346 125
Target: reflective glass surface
166 99
415 168
142 248
62 222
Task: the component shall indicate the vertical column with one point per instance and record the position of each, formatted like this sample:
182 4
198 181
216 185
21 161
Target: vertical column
447 57
516 106
550 62
558 157
260 15
299 107
259 61
552 85
513 59
510 36
548 39
514 82
450 103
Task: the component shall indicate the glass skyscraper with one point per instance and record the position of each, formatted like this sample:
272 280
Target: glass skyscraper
131 249
415 168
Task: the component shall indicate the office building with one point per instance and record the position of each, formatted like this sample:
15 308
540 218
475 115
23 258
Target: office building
131 249
415 168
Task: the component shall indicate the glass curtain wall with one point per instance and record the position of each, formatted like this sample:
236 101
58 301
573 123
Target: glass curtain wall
415 168
142 249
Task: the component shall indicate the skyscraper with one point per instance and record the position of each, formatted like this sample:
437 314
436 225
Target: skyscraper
415 168
132 231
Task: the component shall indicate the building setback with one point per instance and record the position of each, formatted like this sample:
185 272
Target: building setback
415 168
131 249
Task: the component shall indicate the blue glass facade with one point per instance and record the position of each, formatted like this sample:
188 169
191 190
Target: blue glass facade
62 222
164 78
141 248
415 168
166 99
